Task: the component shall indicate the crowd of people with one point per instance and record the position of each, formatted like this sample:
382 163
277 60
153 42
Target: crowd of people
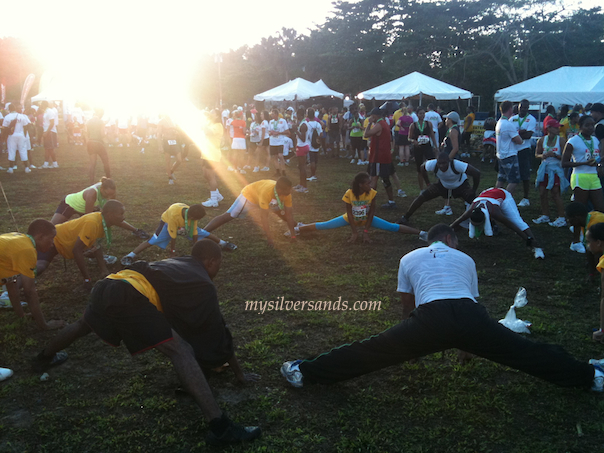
172 305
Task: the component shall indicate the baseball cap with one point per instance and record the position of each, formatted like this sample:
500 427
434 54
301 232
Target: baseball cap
453 116
553 123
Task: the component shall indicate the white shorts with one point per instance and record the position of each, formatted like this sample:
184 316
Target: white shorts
510 210
16 142
238 143
241 207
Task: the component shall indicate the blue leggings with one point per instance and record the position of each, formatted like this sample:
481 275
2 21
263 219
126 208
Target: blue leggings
339 222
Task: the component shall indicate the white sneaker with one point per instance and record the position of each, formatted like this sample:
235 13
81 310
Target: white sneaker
171 181
352 161
541 219
444 211
401 164
265 169
5 373
558 223
524 203
577 247
219 197
302 190
10 170
230 168
423 236
55 165
256 169
538 253
15 167
210 203
243 172
45 165
27 170
33 167
312 178
246 167
401 193
360 162
291 372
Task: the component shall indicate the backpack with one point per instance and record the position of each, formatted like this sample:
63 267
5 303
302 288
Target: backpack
314 141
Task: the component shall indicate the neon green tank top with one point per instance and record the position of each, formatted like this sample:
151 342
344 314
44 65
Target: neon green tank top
77 202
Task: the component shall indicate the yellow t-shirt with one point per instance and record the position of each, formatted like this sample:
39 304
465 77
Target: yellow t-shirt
262 193
395 118
471 126
360 206
593 218
326 122
140 283
365 124
564 123
600 265
17 255
174 218
87 228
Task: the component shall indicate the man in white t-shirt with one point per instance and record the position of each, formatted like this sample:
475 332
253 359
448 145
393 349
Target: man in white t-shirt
436 121
507 152
439 287
313 124
16 141
49 125
526 125
452 182
278 129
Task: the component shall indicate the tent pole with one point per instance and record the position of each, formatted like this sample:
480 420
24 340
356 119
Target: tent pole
420 98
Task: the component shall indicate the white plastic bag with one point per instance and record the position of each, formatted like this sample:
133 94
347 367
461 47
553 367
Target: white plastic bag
510 321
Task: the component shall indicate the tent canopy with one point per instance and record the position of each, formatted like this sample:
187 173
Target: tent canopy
415 84
297 90
565 85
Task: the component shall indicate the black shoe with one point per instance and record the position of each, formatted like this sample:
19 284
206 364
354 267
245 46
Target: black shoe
403 221
389 206
234 434
42 363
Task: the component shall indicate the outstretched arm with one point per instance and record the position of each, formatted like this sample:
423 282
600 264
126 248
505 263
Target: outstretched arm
474 173
466 215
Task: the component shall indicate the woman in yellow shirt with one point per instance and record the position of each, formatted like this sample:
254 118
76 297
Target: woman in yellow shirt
360 207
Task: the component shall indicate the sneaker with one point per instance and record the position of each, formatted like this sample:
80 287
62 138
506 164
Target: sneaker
229 247
42 363
219 197
265 169
423 236
558 223
312 178
524 203
256 169
27 170
297 186
401 193
352 161
234 434
541 219
5 373
45 165
10 170
127 260
55 165
360 162
15 167
291 372
595 362
401 164
444 211
389 205
33 167
302 190
403 221
577 247
406 164
210 203
230 168
246 167
171 181
538 253
598 385
243 172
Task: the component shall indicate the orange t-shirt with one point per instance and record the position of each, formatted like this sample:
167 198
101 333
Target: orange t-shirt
238 128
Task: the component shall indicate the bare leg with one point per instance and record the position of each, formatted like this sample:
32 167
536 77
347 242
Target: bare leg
218 221
597 199
302 169
544 200
558 200
105 159
141 247
91 167
58 218
66 337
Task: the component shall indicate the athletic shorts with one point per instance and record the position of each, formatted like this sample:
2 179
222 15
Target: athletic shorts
422 153
238 143
524 163
384 171
254 145
241 207
94 147
509 170
117 312
50 140
313 156
162 237
402 140
585 181
302 150
333 137
275 150
464 191
172 148
65 210
546 179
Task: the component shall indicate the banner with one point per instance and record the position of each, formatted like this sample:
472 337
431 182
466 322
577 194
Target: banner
29 81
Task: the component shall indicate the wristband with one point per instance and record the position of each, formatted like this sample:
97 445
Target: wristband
365 231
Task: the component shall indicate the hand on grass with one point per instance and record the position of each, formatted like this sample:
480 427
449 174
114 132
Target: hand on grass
366 238
246 378
353 238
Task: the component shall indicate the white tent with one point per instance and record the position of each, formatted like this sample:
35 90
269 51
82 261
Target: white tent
297 90
566 85
415 84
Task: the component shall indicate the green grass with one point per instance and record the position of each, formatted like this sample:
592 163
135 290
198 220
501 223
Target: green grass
102 400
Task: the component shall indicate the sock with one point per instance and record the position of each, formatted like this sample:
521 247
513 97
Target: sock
131 254
221 242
